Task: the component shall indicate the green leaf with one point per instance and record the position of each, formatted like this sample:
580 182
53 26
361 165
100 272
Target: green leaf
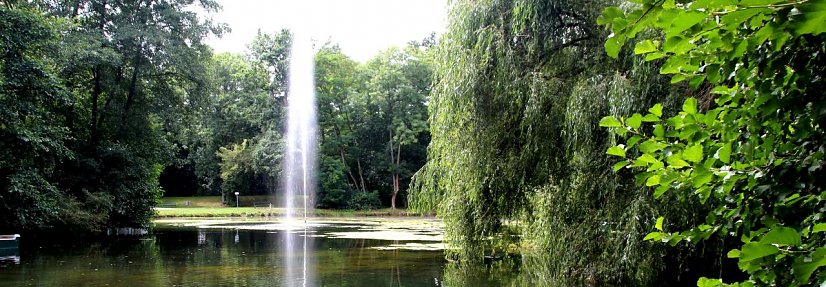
675 161
657 110
650 118
759 2
754 250
655 236
723 90
609 14
609 122
724 153
673 65
820 227
690 106
665 18
659 131
814 17
613 45
740 50
633 140
734 253
650 146
688 131
620 165
760 37
696 81
693 153
634 121
782 236
653 56
647 158
701 177
616 150
677 78
660 190
645 47
704 193
685 20
677 45
659 224
706 282
804 267
736 18
653 180
710 4
640 178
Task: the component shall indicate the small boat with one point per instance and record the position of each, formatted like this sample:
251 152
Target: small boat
9 244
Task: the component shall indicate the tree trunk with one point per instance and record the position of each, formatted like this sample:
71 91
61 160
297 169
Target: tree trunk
341 153
349 172
97 88
133 85
361 175
396 182
130 96
106 106
395 191
395 173
96 91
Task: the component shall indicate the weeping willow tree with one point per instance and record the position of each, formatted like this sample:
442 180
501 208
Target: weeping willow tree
517 159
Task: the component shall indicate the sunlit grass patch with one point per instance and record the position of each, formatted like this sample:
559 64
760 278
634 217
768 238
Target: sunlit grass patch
274 212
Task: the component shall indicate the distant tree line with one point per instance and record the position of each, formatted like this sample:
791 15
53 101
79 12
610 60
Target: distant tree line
372 125
105 106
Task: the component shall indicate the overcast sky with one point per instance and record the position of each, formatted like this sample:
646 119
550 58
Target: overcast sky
360 27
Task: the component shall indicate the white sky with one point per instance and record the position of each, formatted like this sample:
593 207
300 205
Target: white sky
362 28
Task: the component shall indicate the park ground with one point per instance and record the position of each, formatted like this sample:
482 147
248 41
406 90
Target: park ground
252 206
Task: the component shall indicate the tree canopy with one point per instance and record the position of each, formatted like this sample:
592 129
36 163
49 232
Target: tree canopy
92 92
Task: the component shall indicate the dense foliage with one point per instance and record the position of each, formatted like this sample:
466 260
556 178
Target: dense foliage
91 96
236 144
105 105
751 146
517 159
372 123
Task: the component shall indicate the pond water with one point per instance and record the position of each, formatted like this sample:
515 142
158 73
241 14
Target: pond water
366 252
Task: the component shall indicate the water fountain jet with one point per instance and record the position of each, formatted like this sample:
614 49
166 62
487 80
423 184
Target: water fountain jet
300 166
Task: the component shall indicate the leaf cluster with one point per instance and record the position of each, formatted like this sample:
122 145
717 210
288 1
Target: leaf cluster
751 147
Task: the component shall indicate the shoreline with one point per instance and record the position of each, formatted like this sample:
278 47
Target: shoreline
201 212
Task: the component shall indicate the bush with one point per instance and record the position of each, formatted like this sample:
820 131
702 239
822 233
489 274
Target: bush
332 183
365 200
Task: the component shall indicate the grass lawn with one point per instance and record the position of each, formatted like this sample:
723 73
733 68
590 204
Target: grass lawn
210 206
163 212
213 201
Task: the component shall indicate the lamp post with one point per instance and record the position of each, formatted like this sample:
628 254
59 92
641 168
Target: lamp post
236 199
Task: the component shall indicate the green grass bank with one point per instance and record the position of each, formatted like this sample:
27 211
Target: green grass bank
255 206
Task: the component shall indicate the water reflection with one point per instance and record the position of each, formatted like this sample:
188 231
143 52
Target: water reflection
300 268
10 259
191 256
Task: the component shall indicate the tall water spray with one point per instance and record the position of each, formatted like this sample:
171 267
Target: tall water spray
300 164
301 129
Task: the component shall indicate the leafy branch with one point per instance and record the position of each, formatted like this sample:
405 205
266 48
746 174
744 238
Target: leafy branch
750 156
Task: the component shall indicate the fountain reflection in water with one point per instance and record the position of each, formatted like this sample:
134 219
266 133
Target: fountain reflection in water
299 164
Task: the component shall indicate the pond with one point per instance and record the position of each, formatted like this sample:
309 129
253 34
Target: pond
360 252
